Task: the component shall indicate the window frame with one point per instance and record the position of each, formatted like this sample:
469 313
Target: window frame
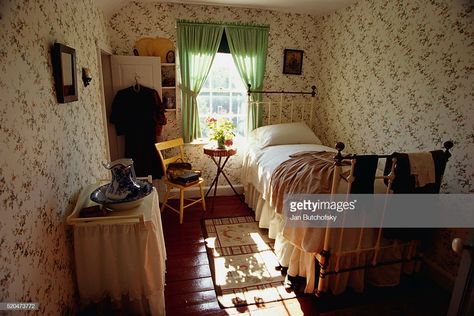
234 92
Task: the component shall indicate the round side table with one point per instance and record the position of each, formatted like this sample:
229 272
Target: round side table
220 158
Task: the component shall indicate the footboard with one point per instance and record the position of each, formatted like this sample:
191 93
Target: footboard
329 260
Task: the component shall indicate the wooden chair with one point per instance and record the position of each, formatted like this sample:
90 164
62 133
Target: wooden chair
177 144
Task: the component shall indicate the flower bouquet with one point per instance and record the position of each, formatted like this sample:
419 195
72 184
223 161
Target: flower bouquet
221 130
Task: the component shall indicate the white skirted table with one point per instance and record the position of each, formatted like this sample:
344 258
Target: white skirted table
121 255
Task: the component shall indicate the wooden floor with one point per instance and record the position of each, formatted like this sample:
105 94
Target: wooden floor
190 291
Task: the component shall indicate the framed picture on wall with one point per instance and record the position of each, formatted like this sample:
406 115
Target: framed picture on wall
293 61
169 99
168 76
64 70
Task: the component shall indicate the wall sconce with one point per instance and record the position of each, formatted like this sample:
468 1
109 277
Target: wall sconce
86 76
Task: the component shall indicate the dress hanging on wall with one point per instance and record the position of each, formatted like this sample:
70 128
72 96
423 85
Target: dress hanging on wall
139 115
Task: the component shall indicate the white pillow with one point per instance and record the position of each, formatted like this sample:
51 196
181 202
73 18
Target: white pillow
282 134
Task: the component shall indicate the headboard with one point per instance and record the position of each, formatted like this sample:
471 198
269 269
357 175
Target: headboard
295 105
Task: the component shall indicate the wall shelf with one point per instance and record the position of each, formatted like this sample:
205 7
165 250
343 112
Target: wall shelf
168 86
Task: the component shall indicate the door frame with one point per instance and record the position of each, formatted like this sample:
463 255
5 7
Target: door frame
103 49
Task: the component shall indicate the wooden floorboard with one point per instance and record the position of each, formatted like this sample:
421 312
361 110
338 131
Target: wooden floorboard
177 249
190 290
179 300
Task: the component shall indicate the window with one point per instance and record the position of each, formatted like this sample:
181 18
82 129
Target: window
223 95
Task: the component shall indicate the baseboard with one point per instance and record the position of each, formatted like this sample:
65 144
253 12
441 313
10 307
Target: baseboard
226 190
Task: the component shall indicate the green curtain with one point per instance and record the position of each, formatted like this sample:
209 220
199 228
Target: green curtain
248 46
197 47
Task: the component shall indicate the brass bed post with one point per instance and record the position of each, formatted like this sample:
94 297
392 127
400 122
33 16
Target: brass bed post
447 146
313 94
249 102
390 178
248 92
281 108
350 180
323 256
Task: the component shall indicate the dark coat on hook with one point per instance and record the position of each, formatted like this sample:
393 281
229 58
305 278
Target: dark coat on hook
139 114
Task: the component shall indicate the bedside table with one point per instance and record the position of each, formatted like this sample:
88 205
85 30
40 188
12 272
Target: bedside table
220 158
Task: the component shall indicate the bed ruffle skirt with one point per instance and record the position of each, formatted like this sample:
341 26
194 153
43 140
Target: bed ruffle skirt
300 259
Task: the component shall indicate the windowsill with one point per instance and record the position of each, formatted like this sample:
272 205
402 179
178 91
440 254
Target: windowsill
238 141
240 144
200 141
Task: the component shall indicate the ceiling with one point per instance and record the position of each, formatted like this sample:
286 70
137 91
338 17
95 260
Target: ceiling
314 7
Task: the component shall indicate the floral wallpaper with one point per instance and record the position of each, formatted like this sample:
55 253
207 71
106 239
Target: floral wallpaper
148 19
399 76
49 151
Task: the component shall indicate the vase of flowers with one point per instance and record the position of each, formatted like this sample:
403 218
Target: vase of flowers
221 130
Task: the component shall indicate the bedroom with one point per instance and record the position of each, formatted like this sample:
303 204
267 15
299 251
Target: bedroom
46 147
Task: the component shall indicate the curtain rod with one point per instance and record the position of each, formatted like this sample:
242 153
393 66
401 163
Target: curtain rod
250 25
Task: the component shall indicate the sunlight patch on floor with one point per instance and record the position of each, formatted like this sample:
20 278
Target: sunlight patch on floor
261 244
244 264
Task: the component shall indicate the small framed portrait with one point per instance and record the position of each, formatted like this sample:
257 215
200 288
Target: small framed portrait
170 57
169 100
293 62
168 76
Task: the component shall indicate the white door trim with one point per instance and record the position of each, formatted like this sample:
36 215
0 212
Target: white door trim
103 50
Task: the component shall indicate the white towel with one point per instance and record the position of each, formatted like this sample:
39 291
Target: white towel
423 168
